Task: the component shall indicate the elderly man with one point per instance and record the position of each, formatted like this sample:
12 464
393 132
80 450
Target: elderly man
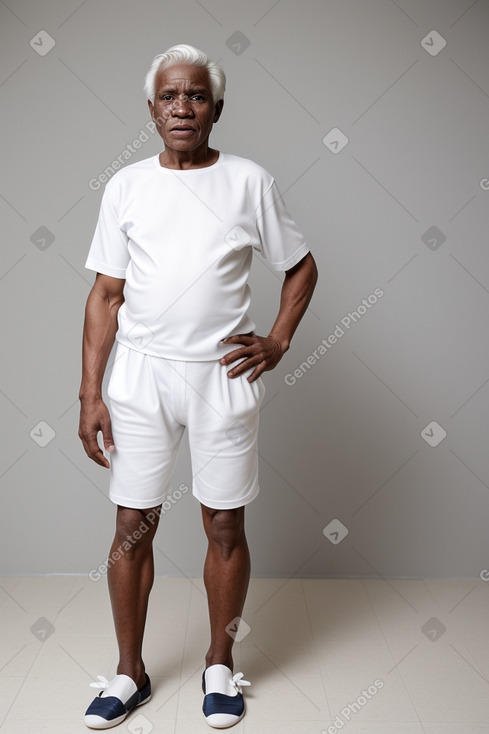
172 251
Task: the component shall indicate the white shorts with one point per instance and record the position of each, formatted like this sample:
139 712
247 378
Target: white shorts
152 399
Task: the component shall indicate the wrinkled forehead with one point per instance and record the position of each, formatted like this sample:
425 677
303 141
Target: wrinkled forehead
183 77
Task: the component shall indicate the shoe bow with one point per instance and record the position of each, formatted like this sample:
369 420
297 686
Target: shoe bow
238 681
102 683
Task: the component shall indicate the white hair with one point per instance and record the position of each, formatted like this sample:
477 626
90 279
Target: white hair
185 54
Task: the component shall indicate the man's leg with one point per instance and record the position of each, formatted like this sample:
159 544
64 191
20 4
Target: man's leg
226 577
130 579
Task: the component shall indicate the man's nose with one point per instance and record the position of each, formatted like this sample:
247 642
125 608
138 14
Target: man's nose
181 106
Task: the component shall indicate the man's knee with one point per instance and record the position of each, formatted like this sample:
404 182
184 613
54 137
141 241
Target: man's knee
137 526
225 528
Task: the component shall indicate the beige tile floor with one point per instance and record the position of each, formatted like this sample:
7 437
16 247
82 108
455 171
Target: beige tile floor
419 651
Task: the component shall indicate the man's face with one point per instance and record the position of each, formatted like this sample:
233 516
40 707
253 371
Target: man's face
183 100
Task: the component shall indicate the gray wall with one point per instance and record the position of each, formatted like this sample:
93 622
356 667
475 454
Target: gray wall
402 207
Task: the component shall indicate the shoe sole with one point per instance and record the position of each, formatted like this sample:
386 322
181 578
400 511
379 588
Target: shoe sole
222 726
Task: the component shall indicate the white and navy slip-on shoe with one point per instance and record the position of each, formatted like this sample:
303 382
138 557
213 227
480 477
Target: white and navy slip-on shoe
223 699
115 700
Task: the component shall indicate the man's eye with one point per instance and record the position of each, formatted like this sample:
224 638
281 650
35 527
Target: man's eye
167 97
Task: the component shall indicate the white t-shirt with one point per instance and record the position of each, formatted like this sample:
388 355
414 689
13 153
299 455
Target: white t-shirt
183 241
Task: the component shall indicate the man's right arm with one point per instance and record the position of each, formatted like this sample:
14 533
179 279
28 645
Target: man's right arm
99 330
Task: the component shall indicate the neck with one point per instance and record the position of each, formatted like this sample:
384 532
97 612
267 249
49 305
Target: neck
182 159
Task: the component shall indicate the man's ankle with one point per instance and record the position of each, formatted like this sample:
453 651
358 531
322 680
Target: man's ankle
137 674
218 660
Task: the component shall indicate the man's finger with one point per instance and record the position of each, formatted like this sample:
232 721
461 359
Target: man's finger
255 374
99 458
234 355
94 451
239 337
106 428
245 365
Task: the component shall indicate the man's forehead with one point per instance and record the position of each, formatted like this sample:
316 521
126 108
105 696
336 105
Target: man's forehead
183 81
184 77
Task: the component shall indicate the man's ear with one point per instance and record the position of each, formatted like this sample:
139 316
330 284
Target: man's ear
218 109
151 108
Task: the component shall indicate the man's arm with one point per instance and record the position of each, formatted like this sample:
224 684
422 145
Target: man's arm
297 289
99 330
265 352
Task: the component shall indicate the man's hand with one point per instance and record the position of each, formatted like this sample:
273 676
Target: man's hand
262 352
95 417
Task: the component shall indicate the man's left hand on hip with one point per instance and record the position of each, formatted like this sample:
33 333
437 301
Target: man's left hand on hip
261 352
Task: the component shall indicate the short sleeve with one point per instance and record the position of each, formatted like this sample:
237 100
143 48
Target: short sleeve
108 252
282 244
